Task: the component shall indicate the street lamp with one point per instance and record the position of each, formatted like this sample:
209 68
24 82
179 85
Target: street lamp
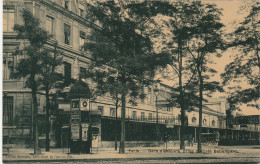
156 92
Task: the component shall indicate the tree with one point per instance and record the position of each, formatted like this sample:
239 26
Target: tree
30 66
50 79
179 25
207 41
122 52
186 25
246 63
110 87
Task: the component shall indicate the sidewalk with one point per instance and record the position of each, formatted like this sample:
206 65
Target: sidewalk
137 153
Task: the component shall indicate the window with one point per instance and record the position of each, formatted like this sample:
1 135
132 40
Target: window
82 40
193 120
66 34
142 115
101 109
220 124
8 67
81 12
149 95
168 108
67 73
134 115
49 24
82 72
66 4
213 123
8 18
150 116
7 110
204 121
112 112
142 96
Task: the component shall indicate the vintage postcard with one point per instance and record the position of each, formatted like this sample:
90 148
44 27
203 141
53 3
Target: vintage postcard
91 81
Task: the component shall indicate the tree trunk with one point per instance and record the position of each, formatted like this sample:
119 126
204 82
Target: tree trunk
182 135
122 140
35 119
47 121
116 124
157 122
115 139
200 111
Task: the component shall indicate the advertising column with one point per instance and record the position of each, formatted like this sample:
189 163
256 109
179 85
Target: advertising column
85 126
75 126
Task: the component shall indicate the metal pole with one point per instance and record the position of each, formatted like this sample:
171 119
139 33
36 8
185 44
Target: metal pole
157 123
195 135
166 144
179 133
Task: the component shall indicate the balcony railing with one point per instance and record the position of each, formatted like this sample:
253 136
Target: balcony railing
161 120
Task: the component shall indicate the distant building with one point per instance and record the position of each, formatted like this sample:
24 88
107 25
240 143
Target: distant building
244 128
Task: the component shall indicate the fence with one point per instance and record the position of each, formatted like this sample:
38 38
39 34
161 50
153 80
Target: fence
161 120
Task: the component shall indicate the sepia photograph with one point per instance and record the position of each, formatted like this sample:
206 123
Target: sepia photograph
134 81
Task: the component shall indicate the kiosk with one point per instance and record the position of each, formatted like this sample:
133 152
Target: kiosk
80 124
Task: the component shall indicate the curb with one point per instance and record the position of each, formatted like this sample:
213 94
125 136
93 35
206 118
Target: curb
108 159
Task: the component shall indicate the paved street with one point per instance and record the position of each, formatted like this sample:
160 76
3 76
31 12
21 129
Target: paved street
211 154
166 161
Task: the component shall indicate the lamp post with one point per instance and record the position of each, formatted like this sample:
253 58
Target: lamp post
156 92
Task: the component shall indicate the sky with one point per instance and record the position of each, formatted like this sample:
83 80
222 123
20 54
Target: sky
231 14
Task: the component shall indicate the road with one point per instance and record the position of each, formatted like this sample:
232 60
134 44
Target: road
238 154
166 161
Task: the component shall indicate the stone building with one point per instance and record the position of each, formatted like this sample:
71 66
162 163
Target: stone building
65 19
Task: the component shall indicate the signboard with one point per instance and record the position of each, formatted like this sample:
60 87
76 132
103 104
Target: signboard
75 131
84 132
84 104
65 107
75 112
162 103
75 117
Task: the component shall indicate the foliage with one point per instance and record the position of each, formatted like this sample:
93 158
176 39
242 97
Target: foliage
246 63
179 26
121 50
192 34
37 37
30 67
49 77
39 64
206 44
207 41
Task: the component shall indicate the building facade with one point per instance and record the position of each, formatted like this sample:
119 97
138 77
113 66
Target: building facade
65 20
